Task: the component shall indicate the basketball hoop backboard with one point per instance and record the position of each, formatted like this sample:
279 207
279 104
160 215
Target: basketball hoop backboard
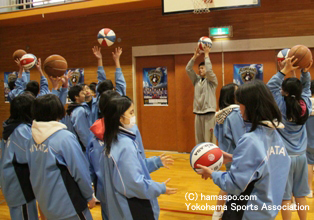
186 6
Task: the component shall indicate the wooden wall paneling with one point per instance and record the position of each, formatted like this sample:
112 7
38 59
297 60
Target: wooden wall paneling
266 57
157 123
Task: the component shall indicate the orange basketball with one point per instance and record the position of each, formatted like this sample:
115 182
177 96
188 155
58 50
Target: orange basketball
303 54
55 65
18 54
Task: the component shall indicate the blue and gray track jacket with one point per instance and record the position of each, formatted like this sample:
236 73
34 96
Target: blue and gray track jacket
310 130
120 88
293 135
58 171
129 191
259 168
229 128
14 171
20 86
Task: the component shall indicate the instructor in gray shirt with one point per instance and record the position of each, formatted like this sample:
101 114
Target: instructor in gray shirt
204 106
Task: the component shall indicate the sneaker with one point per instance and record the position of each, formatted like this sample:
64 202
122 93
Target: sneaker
217 215
310 195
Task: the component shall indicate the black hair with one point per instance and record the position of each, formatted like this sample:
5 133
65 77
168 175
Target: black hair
259 103
312 87
11 84
92 86
48 108
227 96
293 88
33 87
104 86
106 97
29 93
75 91
21 108
112 112
201 64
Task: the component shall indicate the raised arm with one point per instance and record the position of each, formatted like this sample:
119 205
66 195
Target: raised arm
43 80
119 78
210 75
19 83
306 84
189 67
101 75
65 87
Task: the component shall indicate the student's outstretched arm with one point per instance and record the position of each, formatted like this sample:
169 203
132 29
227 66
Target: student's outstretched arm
306 84
129 178
77 165
43 80
189 67
19 83
26 77
65 87
119 78
101 75
246 166
210 75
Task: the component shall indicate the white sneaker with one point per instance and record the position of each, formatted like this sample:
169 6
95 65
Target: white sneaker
310 195
217 215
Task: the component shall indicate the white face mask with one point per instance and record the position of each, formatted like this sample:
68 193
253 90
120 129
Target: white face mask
132 122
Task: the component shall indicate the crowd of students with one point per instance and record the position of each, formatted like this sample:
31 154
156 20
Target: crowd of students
63 159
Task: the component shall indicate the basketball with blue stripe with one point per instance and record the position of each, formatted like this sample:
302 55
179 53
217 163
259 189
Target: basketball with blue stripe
106 37
283 54
204 41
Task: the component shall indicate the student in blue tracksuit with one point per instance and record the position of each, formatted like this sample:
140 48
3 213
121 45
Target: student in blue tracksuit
228 130
259 162
129 191
31 86
58 168
16 186
97 146
310 143
293 98
107 84
77 116
62 93
103 83
25 79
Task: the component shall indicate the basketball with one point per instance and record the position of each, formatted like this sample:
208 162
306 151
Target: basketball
303 54
283 54
18 54
55 65
204 41
206 154
106 37
28 61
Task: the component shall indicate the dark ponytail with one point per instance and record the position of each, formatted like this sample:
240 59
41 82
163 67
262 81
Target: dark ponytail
293 88
112 112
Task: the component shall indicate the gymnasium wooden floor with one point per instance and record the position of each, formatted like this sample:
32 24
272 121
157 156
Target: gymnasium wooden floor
173 207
